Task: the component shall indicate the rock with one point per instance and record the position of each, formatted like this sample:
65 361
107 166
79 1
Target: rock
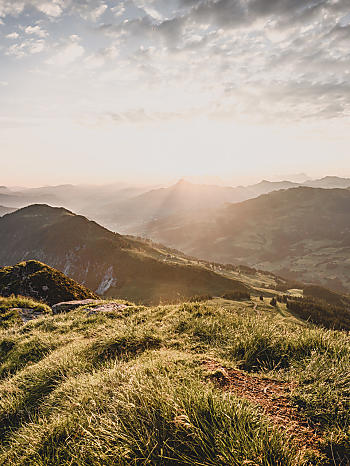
108 307
27 314
41 282
70 305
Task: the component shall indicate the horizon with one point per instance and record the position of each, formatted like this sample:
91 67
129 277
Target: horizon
96 91
298 178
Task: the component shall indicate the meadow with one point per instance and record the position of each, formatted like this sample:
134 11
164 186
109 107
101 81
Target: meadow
205 383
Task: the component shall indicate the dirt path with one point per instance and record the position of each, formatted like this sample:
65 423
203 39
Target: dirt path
273 397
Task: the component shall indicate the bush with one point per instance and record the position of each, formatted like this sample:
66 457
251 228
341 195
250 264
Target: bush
236 295
200 298
273 302
321 313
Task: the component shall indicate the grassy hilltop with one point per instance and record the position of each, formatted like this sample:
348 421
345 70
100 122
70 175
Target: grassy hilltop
37 280
212 383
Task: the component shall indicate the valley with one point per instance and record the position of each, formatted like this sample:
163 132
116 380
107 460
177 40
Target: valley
300 233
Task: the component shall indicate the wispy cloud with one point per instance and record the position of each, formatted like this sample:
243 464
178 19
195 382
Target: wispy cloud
68 52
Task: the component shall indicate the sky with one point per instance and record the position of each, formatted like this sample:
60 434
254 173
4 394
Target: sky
100 91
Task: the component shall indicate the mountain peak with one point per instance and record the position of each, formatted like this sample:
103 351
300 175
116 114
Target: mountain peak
183 182
43 209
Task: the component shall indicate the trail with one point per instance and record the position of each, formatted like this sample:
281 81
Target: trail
273 397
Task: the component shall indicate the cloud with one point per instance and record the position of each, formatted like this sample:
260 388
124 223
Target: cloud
281 14
9 7
36 47
143 28
26 47
98 59
4 83
286 101
51 8
90 10
68 52
119 9
98 12
340 34
36 30
12 35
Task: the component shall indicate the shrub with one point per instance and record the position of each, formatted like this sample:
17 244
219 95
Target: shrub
273 301
200 298
321 313
236 295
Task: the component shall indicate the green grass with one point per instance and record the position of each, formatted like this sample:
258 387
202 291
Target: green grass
8 313
130 387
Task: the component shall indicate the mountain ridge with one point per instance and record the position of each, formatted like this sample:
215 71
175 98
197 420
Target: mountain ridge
105 262
127 209
287 232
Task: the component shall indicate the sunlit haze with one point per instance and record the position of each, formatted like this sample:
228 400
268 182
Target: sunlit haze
95 91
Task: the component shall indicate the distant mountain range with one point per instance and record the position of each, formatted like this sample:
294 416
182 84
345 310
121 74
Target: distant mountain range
106 262
130 216
127 209
301 233
78 197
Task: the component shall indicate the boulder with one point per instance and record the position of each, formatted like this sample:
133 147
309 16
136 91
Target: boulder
70 305
107 308
27 314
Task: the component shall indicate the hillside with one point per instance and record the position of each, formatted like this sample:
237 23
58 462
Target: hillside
300 233
36 280
105 262
235 383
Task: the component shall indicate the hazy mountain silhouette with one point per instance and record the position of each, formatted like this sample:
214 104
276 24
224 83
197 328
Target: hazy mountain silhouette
130 216
126 208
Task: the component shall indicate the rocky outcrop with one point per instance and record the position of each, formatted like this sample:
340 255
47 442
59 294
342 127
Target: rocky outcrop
70 305
93 306
41 282
27 314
